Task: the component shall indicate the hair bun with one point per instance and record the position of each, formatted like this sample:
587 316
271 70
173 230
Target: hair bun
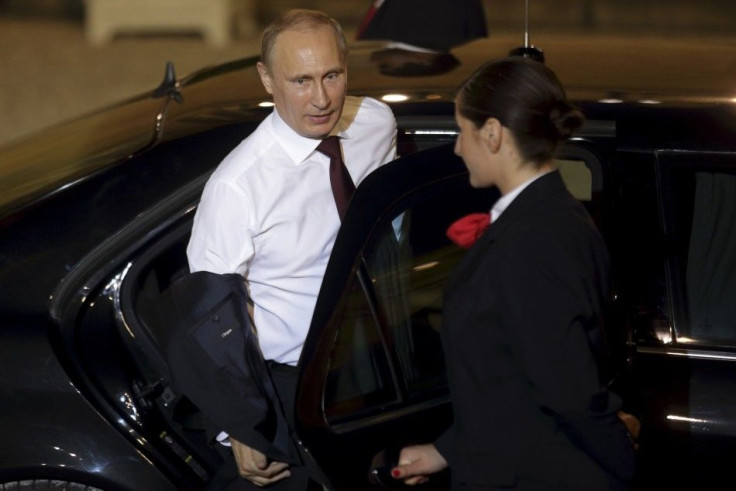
565 118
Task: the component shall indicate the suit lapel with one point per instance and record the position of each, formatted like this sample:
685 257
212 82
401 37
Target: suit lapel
522 209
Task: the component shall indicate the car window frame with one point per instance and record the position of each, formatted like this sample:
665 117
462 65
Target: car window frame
667 163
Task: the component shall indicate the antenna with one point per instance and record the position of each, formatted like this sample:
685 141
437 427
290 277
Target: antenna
526 23
169 84
528 50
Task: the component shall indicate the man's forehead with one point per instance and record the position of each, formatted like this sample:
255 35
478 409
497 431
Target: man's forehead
299 34
295 51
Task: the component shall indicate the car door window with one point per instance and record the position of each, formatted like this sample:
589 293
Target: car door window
387 349
711 260
701 203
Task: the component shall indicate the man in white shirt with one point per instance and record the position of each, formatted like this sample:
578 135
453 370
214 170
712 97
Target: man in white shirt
268 211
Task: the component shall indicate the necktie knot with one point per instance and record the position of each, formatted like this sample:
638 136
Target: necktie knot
330 146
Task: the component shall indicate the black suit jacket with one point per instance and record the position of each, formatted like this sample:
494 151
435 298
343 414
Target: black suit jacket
215 360
525 344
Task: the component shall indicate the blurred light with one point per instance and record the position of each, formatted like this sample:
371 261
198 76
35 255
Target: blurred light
733 100
702 356
663 336
394 98
674 417
432 97
265 104
610 101
650 101
424 266
432 132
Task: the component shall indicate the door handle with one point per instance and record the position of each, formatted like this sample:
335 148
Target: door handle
380 472
380 477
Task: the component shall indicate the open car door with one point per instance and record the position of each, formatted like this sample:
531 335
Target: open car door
372 373
372 376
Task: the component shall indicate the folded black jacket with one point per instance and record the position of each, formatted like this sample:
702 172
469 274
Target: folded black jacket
215 360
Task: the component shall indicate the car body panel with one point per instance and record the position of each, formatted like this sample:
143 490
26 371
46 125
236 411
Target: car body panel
57 434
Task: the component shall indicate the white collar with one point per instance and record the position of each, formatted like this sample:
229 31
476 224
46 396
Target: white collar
504 201
298 147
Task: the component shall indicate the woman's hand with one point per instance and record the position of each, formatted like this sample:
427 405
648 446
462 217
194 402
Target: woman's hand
417 462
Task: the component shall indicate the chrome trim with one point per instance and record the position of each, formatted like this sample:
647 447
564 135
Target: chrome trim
687 353
70 293
597 127
113 289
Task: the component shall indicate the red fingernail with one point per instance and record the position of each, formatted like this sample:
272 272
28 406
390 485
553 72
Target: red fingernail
395 473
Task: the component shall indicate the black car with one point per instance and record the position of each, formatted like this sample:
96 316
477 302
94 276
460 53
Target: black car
95 216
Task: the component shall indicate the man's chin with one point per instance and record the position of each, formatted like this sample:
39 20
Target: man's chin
319 131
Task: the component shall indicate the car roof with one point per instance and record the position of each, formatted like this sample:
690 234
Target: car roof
591 67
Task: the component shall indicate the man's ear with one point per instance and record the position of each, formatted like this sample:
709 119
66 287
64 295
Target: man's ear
491 133
265 77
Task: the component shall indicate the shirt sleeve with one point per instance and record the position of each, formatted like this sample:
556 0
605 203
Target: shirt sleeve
389 125
221 240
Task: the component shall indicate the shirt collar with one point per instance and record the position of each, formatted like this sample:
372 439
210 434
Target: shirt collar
504 201
296 146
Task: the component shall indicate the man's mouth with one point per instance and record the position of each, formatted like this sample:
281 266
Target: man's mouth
321 118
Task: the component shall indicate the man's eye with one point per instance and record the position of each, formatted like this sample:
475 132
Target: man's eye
301 81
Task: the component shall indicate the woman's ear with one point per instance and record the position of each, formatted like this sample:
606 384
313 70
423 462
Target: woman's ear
491 133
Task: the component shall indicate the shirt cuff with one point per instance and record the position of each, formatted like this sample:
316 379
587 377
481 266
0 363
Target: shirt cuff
223 438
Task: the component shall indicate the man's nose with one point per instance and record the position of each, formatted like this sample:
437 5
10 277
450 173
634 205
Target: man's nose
320 98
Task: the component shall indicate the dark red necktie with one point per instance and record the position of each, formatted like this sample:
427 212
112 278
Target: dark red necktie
466 230
342 185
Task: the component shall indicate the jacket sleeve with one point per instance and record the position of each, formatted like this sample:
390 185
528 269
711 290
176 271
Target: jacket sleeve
215 360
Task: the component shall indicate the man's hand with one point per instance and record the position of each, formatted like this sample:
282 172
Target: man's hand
415 463
633 426
254 466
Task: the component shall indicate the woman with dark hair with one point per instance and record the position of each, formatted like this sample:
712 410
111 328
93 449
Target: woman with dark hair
523 331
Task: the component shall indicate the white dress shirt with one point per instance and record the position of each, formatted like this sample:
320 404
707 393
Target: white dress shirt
267 213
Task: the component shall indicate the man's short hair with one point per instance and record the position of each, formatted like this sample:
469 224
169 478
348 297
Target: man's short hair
300 19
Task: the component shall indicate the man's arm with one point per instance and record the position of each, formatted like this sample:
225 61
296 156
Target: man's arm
220 241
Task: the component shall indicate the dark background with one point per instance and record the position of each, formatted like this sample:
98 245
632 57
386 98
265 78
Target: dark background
49 72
